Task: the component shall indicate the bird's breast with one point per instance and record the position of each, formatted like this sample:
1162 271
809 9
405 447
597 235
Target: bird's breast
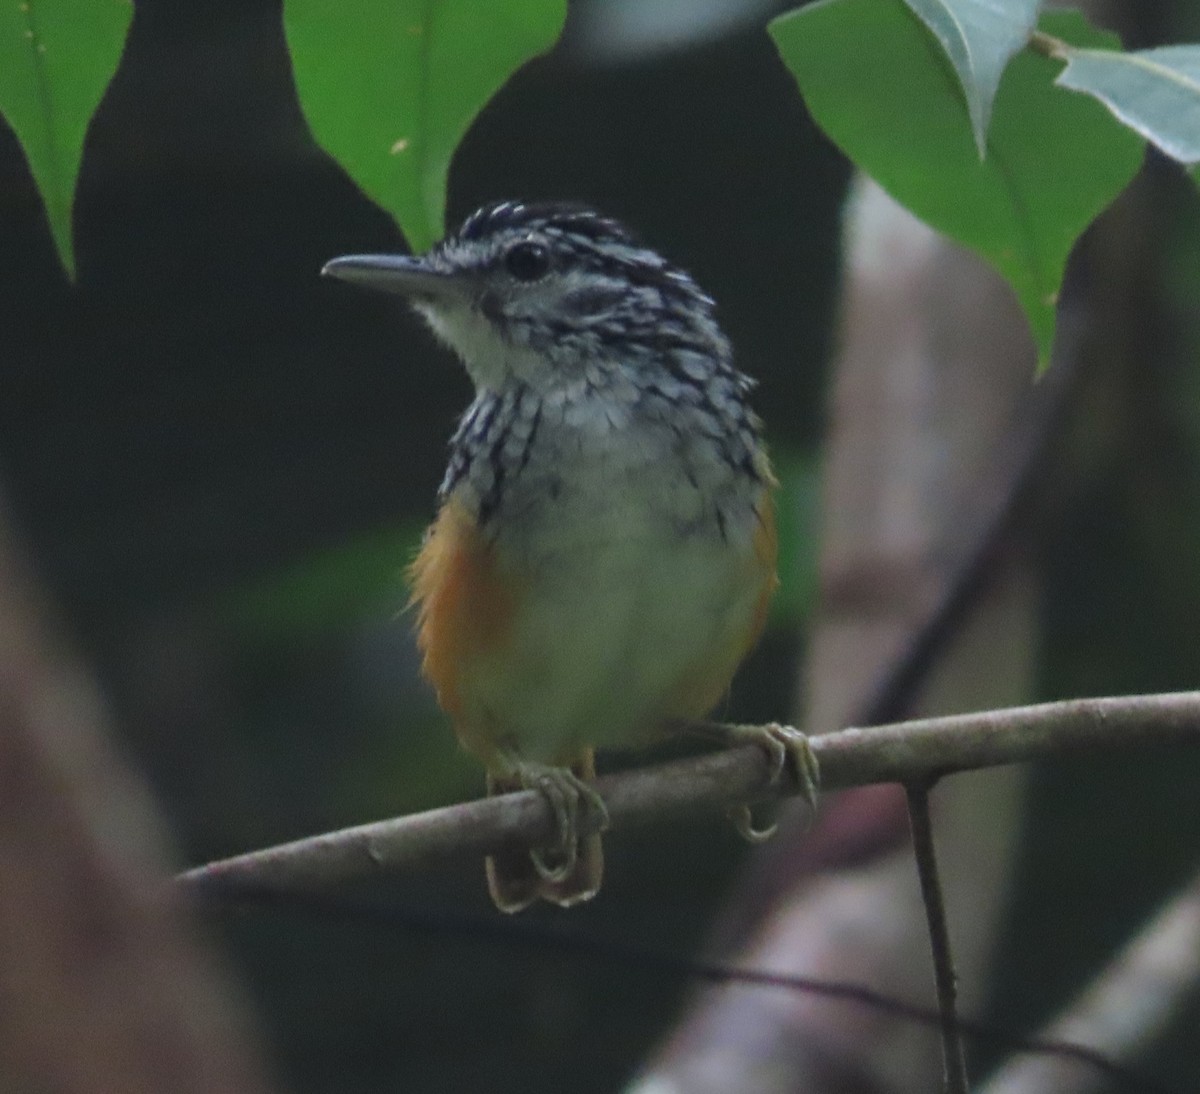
600 479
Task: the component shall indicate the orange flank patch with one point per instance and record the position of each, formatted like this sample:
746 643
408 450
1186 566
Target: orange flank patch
766 555
464 608
702 687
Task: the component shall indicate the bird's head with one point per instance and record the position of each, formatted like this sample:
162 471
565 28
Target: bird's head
541 293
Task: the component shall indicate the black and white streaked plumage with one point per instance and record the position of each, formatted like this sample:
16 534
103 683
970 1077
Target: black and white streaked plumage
559 314
610 479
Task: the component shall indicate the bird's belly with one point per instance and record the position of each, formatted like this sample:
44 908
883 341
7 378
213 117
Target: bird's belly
610 636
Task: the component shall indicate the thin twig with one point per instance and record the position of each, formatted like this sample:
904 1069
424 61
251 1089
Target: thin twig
906 752
944 977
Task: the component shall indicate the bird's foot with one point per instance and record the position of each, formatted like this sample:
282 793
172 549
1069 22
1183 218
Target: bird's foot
570 798
785 747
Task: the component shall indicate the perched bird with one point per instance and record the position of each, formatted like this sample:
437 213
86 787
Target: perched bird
604 551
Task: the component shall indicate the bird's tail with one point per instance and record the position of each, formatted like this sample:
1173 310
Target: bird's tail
513 878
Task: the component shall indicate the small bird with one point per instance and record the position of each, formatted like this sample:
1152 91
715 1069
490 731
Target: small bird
604 551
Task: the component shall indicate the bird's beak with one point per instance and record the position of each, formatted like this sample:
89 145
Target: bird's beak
405 274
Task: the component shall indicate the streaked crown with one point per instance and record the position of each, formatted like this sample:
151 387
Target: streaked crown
540 293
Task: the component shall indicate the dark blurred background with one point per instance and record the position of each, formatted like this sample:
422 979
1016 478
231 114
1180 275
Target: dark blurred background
222 464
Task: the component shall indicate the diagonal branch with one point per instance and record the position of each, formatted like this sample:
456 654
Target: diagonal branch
905 752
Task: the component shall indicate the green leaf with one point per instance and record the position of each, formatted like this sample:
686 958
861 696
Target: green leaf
1153 91
56 59
980 37
1054 160
390 88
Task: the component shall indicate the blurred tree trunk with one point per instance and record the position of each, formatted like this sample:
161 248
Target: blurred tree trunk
102 986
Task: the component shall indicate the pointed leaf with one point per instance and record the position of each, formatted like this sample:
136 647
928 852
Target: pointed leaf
389 88
1153 91
980 37
1054 162
56 59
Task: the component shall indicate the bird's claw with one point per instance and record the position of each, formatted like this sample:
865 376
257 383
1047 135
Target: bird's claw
569 797
742 818
781 744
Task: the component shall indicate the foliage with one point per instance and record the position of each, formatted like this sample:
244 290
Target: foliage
1052 161
390 89
979 38
1155 92
56 59
990 149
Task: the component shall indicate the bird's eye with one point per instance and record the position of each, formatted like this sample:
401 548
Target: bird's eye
527 261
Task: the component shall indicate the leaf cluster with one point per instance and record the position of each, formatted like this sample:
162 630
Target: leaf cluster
1006 131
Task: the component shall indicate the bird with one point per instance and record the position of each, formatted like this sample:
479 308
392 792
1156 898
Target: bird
604 550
